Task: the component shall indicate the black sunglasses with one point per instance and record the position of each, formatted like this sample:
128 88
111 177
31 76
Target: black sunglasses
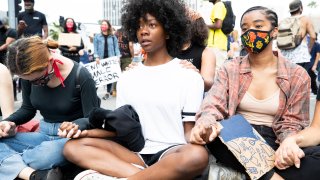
43 80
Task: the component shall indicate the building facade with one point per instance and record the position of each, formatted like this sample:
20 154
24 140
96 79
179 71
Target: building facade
112 11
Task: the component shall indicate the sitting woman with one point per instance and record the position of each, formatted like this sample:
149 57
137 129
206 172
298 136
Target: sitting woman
271 93
166 114
62 91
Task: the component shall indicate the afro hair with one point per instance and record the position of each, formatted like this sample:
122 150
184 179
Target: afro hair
171 14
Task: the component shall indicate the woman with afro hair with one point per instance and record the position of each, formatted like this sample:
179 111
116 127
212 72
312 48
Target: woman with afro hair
166 114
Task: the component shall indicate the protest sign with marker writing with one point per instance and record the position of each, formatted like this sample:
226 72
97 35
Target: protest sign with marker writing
106 72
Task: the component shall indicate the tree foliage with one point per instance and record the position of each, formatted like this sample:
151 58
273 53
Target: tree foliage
54 31
313 4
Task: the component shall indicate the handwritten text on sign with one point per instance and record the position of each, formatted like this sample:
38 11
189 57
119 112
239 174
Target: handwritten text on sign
108 71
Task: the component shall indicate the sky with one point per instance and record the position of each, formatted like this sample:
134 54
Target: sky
90 11
87 11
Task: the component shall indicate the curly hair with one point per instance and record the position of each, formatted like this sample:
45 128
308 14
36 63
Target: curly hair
199 32
171 14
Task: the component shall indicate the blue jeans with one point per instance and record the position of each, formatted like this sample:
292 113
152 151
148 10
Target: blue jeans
38 150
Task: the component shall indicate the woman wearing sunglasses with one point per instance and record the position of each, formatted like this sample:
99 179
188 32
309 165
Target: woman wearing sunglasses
49 85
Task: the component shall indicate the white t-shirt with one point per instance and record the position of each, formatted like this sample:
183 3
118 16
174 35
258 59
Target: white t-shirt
164 96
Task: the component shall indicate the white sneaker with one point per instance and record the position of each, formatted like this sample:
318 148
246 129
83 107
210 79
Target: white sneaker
94 175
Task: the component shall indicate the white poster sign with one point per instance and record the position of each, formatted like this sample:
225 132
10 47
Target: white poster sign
108 71
69 39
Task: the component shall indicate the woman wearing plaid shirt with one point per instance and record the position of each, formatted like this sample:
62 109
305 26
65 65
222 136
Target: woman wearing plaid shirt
269 91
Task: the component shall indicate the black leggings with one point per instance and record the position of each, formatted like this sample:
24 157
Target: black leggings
309 168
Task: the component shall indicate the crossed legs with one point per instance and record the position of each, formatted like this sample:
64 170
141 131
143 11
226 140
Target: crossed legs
110 158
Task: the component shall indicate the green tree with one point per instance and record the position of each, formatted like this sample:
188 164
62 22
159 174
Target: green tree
313 4
54 31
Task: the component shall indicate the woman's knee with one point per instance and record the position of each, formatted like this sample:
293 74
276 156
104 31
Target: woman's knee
196 158
199 155
72 146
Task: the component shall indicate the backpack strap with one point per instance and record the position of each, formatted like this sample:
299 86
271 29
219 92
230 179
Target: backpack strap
78 86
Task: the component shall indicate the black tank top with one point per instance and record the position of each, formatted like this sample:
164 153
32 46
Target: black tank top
193 54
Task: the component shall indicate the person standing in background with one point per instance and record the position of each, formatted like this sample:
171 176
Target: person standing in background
301 53
71 52
105 45
32 22
7 36
217 39
126 49
316 65
312 66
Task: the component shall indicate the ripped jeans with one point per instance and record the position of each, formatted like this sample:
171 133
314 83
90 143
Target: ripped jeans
38 150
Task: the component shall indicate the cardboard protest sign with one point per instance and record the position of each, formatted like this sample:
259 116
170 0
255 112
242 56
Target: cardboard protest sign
108 71
246 144
69 39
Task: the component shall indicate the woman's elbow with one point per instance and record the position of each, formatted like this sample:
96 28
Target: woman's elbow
207 84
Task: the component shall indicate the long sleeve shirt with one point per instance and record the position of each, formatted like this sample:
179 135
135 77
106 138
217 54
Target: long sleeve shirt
232 82
58 104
